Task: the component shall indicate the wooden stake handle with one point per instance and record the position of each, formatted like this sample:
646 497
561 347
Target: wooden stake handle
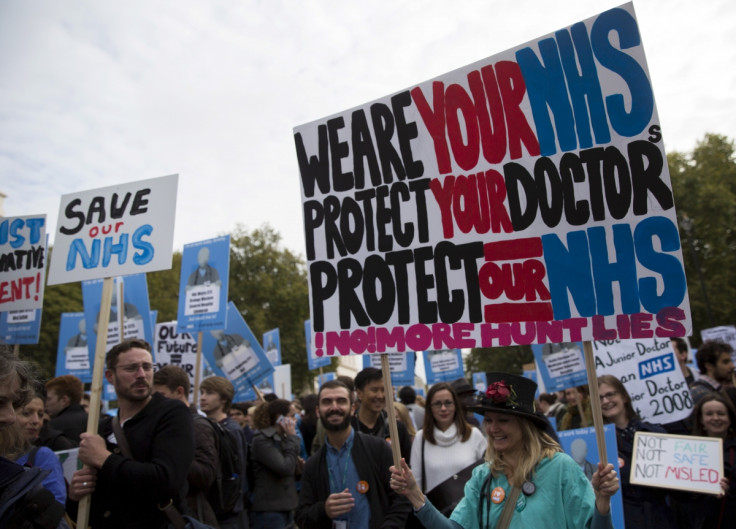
595 401
392 428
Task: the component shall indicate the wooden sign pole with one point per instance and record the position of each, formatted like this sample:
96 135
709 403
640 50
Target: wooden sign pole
197 368
392 428
98 370
595 401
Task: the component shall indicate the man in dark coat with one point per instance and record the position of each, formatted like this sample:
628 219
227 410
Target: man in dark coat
63 404
346 483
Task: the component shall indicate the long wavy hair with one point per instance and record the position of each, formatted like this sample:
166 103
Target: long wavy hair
464 429
535 446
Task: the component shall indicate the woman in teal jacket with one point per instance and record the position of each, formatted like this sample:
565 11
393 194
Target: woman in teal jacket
525 469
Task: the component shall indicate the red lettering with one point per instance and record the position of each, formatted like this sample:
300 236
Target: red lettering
434 120
457 101
512 85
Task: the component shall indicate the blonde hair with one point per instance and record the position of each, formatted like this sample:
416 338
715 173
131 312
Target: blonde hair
402 414
535 446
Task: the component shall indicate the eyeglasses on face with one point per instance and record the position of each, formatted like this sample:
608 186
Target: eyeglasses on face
439 404
133 368
608 395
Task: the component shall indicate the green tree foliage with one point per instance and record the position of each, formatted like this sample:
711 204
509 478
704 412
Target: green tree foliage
504 359
704 184
163 290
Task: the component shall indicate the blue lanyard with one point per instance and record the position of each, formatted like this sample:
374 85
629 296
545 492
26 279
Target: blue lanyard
344 472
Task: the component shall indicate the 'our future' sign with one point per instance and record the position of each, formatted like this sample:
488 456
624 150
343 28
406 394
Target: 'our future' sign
115 231
521 199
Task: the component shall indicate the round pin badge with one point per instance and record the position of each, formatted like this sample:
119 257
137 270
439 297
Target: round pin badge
362 486
528 488
497 495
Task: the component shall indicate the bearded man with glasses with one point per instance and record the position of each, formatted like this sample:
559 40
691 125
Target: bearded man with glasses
127 490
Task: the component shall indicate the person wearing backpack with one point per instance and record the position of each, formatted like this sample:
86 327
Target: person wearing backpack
173 382
215 397
275 458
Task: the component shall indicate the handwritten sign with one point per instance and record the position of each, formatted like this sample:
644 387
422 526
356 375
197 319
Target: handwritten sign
522 199
681 462
22 262
649 371
177 349
115 231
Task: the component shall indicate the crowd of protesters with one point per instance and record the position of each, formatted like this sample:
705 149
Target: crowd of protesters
324 460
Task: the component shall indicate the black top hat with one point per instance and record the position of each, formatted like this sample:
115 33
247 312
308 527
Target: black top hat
461 385
508 394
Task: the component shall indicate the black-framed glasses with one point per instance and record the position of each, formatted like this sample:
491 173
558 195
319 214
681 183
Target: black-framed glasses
608 395
133 368
439 404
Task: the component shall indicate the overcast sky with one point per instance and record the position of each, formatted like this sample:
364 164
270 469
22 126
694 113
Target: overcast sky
99 93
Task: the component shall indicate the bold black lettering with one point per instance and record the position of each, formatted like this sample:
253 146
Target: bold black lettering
383 127
593 158
419 188
140 202
349 278
333 238
514 175
406 131
427 310
339 149
316 169
366 196
400 193
377 278
71 213
363 151
550 200
323 280
96 206
399 260
313 218
618 190
577 213
353 239
646 174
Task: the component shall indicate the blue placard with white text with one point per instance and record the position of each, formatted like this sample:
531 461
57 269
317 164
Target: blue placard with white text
443 365
73 356
20 326
133 307
203 286
272 346
235 353
561 365
401 366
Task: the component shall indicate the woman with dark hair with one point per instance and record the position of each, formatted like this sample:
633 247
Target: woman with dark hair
37 430
642 505
520 457
275 457
445 446
714 416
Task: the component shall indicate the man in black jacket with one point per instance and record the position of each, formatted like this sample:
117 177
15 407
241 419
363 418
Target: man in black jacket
127 491
63 404
346 483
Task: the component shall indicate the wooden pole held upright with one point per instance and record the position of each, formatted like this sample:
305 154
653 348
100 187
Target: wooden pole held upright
392 428
595 401
98 370
197 369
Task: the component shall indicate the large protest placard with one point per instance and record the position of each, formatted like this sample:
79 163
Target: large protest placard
444 365
580 445
133 306
684 462
401 366
114 231
650 372
522 199
203 288
561 365
172 348
234 352
272 346
22 262
20 326
73 354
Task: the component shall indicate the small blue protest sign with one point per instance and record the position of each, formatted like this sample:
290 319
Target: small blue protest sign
272 346
73 353
133 306
313 361
561 365
203 287
443 365
20 326
234 352
479 382
401 366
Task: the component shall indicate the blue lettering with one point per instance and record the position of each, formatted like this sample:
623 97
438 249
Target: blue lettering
89 260
146 249
640 90
623 270
559 261
668 266
35 225
121 249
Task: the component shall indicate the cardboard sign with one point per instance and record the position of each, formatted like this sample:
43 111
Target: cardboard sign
115 231
649 371
444 365
401 366
22 262
522 199
683 462
203 288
